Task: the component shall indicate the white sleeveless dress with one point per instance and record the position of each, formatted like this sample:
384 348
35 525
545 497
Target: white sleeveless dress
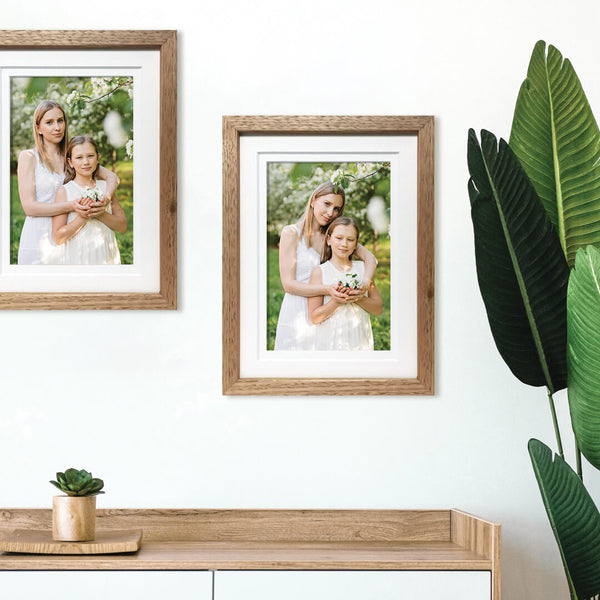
349 327
294 330
94 243
36 246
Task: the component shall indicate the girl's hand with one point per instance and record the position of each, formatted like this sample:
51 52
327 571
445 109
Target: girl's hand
80 206
96 209
349 294
345 295
350 298
336 293
358 293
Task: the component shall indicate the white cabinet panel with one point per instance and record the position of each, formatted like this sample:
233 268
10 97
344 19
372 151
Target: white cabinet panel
352 585
105 585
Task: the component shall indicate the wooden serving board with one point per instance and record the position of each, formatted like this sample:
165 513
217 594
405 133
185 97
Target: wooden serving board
37 541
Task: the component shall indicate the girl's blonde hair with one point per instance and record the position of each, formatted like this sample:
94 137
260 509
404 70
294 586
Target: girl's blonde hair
42 108
310 224
326 251
77 141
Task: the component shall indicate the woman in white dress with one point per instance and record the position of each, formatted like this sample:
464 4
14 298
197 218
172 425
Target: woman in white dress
40 173
299 253
342 325
87 240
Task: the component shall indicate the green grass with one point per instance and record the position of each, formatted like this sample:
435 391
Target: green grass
125 197
124 194
380 324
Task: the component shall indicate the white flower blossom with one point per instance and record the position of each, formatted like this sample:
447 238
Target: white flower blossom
92 193
113 126
99 86
377 215
72 97
335 176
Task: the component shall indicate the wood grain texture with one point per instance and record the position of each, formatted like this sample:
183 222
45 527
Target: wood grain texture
168 170
236 525
422 556
231 256
166 43
81 39
482 537
420 126
37 541
328 125
179 539
74 518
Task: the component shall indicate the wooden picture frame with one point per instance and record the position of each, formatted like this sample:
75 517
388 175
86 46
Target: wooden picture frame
165 42
235 128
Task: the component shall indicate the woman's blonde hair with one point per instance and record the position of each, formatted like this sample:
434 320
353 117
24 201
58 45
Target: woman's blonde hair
326 251
310 224
77 141
42 108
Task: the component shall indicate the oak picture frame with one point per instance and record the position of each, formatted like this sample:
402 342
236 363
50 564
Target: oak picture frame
165 42
234 128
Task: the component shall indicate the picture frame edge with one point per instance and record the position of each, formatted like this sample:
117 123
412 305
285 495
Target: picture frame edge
423 126
166 42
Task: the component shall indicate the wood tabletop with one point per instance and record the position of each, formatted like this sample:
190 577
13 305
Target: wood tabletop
263 556
215 539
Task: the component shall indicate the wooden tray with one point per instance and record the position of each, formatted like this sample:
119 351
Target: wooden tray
36 541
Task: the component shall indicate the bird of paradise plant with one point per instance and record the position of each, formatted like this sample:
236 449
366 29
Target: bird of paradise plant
535 207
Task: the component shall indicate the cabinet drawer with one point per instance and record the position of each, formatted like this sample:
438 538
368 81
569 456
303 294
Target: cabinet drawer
352 585
105 585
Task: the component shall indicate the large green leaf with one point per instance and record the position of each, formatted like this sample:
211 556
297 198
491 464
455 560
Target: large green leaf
557 140
521 269
583 355
574 518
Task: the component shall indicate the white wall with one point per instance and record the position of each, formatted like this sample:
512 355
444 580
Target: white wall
135 396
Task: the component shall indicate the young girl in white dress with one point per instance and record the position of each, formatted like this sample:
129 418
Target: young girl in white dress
87 241
346 324
299 253
40 173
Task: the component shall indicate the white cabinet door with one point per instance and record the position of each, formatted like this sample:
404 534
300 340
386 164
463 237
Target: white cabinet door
105 585
352 585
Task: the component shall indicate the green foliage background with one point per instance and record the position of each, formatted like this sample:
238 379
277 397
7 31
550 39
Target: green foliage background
87 102
289 186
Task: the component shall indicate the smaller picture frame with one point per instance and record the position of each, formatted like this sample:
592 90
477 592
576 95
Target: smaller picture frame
148 60
257 153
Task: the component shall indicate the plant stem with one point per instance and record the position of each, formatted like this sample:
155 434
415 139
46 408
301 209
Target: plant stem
555 421
128 82
384 166
578 457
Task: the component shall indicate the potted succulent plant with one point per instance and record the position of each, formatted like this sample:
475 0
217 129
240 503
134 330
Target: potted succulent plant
74 514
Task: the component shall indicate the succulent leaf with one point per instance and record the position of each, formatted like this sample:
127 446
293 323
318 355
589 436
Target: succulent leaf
74 482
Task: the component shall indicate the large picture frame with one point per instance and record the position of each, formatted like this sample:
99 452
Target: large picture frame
250 143
154 284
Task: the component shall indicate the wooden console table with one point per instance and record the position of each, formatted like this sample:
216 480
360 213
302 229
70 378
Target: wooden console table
241 541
